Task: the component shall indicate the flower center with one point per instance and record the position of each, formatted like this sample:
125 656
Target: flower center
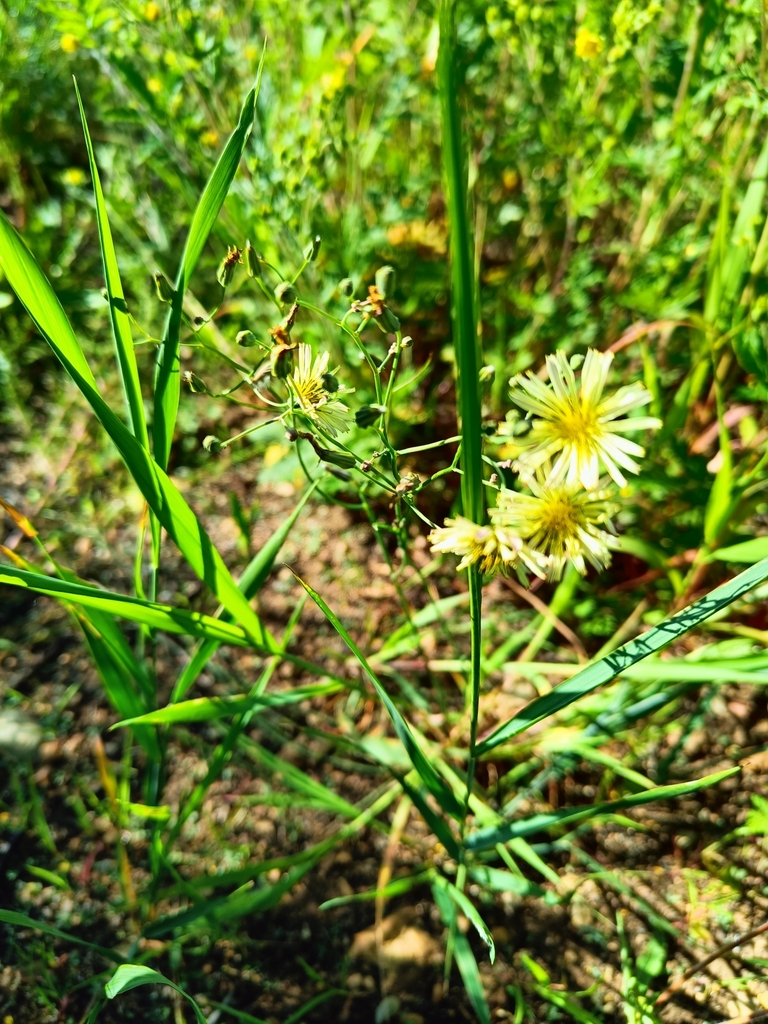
577 425
559 517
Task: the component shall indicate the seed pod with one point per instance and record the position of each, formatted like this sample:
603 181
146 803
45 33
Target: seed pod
367 415
341 459
164 291
347 287
311 251
195 384
212 444
340 474
406 342
199 321
487 373
291 434
246 339
385 280
252 262
330 383
366 466
388 322
281 361
285 293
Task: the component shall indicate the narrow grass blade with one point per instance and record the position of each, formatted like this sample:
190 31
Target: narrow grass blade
22 921
396 888
251 582
129 976
158 616
505 881
465 958
424 768
37 296
613 664
467 907
205 709
118 311
167 377
298 780
485 838
747 551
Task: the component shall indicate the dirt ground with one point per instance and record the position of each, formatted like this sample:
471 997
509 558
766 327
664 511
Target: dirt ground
663 873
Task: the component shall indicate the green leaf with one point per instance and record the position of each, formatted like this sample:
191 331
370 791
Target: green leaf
485 838
121 326
205 709
465 958
613 664
22 921
748 551
180 522
424 768
158 616
130 976
167 378
467 907
396 888
251 582
505 881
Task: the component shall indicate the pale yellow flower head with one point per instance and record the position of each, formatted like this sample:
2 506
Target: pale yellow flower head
560 522
309 383
587 44
492 548
576 426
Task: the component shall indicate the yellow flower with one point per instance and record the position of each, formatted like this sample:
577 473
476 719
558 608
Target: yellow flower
574 422
152 11
310 383
155 86
492 548
210 138
69 43
560 522
73 176
587 44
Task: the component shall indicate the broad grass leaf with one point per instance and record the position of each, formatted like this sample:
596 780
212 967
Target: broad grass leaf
170 508
23 921
129 976
613 664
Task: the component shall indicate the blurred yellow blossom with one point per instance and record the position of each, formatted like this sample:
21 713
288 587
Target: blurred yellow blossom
74 176
69 43
152 11
210 138
155 85
588 44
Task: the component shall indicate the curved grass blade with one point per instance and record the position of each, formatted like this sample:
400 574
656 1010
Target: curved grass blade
206 709
158 616
424 768
129 976
118 311
22 921
613 664
250 583
485 838
167 377
467 907
465 958
35 293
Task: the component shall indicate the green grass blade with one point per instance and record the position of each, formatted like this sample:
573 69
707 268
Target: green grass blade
465 958
167 377
613 664
251 582
170 508
486 838
423 767
22 921
467 907
121 326
129 976
206 709
157 616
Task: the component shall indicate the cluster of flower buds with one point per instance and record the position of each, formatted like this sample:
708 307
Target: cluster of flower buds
374 306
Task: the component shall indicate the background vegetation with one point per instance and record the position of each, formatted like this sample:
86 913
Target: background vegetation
616 161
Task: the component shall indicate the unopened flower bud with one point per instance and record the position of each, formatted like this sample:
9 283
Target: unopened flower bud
366 466
487 373
330 383
285 293
199 321
291 435
347 286
164 291
406 342
341 459
195 384
252 262
227 266
385 280
311 251
367 415
281 361
212 444
246 339
340 474
388 322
